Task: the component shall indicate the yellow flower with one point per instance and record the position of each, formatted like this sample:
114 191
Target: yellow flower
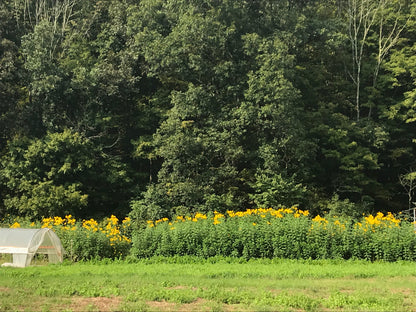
113 219
46 222
217 216
70 220
288 210
304 212
57 221
200 216
371 220
319 219
15 225
90 225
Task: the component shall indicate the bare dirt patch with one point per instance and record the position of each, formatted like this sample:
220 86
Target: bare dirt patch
200 305
4 289
162 305
275 291
404 291
104 304
347 291
197 305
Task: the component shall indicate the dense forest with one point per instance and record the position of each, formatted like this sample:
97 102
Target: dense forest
161 107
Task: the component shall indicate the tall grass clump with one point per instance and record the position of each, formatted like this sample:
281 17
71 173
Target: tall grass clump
278 233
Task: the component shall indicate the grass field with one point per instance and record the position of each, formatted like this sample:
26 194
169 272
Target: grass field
191 284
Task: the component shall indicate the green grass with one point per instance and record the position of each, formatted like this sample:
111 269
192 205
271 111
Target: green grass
221 284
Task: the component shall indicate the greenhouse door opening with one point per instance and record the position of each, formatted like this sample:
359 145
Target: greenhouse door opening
24 244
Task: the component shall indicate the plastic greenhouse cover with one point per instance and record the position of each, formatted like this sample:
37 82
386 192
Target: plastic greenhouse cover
28 241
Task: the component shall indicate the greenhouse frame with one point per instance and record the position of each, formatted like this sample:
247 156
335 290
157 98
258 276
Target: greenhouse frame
24 244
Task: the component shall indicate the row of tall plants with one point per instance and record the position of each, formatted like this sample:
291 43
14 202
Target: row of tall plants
288 233
282 233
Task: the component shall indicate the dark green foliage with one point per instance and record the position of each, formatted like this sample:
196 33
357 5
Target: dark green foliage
62 173
184 106
277 191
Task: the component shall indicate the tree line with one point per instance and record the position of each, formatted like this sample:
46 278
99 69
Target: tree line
163 107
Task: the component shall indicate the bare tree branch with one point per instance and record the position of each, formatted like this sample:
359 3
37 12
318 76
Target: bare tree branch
363 16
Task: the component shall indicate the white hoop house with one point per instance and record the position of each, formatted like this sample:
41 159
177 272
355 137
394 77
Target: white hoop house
23 244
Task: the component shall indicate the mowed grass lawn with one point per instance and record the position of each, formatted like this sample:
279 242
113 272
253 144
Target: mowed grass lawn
190 284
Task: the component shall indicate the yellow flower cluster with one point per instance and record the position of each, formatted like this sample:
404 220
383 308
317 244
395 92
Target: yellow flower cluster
379 220
90 225
113 231
15 225
110 226
278 213
339 224
199 216
319 219
67 223
219 217
369 222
